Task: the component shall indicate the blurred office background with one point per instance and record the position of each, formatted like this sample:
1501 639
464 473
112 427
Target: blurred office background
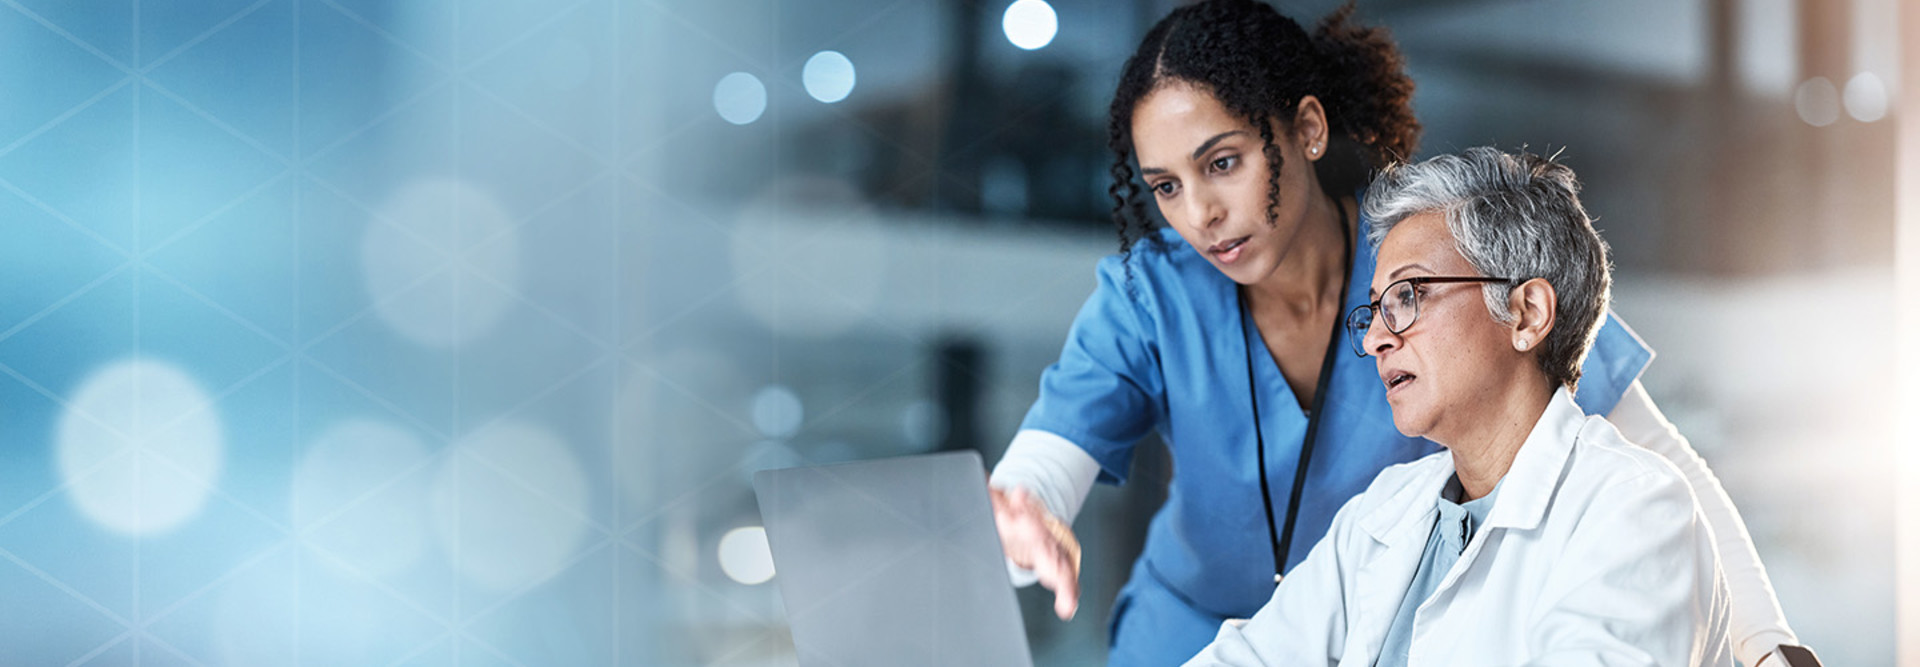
450 333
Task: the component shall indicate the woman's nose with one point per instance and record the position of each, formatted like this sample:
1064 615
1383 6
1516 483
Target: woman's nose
1378 339
1204 210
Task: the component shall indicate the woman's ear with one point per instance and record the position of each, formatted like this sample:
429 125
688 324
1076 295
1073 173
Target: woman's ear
1310 128
1533 305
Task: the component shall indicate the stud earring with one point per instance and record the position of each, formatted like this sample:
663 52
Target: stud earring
1523 344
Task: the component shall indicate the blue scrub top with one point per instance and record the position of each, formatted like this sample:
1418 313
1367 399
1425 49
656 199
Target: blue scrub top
1168 353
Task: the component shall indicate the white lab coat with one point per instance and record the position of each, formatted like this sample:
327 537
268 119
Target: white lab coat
1595 553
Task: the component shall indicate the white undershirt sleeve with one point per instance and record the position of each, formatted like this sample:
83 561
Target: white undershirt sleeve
1757 622
1054 470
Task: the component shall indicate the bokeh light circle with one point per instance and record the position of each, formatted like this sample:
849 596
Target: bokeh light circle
1866 97
745 555
441 260
1030 24
139 447
777 411
509 505
349 497
740 98
828 76
1817 102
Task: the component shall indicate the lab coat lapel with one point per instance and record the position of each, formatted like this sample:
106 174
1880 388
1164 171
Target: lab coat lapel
1525 493
1528 487
1399 529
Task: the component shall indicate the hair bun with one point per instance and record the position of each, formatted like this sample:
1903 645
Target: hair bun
1365 87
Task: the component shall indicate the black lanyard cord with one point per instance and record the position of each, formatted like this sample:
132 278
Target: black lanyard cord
1282 538
1260 447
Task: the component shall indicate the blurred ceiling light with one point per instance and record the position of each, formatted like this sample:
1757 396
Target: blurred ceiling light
777 411
740 98
828 76
745 556
1030 24
351 497
510 505
1817 102
1866 98
139 447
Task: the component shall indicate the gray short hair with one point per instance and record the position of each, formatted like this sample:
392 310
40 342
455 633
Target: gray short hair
1511 216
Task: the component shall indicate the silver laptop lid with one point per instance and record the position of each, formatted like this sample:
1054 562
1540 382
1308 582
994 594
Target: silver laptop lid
892 562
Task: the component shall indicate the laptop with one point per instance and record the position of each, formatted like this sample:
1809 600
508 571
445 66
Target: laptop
892 562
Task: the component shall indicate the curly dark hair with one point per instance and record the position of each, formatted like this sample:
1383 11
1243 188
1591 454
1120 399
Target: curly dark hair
1259 64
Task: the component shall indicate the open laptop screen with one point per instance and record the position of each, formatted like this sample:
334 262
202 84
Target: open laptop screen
892 562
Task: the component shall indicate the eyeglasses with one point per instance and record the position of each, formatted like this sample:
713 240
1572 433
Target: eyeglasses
1398 306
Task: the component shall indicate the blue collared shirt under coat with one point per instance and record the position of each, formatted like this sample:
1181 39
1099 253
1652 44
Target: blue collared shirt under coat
1454 524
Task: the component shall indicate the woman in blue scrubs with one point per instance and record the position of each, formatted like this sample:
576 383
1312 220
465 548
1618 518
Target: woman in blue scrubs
1220 331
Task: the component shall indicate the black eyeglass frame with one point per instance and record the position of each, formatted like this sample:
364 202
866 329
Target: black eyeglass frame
1357 330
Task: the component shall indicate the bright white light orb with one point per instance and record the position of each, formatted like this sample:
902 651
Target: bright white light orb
828 76
441 261
740 98
350 500
1866 97
139 447
745 556
777 411
510 505
1030 24
1817 102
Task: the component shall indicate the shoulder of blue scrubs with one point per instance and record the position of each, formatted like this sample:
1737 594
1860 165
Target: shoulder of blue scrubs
1615 361
1107 390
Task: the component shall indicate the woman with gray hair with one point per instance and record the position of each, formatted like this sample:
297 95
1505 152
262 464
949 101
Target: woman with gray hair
1540 535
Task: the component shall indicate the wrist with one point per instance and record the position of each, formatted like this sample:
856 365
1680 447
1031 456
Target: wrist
1790 655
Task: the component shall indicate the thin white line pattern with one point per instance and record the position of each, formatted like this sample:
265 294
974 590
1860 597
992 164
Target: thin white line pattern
192 183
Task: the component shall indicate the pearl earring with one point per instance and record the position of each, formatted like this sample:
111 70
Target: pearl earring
1523 345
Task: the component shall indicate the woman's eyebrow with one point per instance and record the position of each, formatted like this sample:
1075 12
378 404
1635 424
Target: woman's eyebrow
1208 144
1204 147
1409 267
1375 294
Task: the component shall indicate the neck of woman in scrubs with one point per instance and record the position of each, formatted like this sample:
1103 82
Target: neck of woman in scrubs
1312 268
